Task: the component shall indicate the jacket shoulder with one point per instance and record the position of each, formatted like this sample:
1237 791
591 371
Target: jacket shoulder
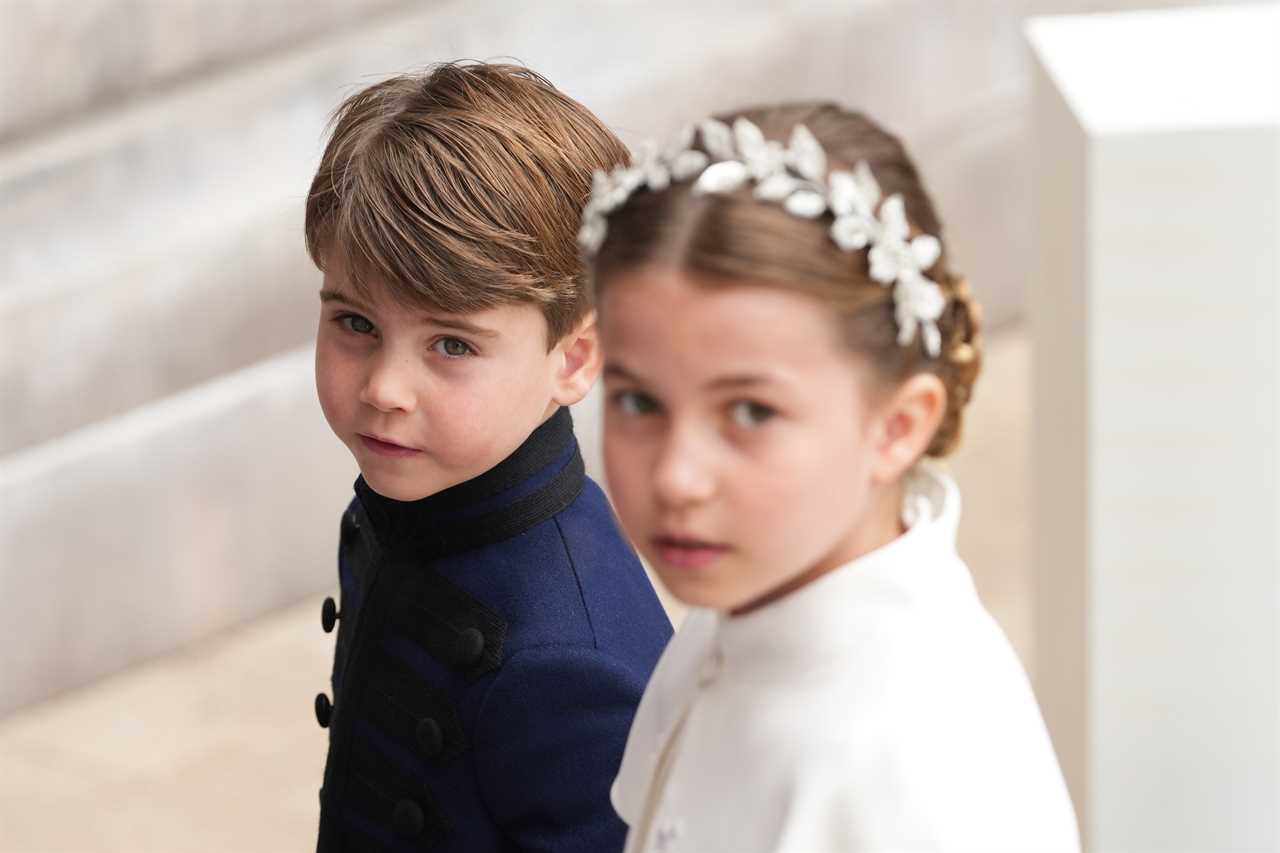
616 592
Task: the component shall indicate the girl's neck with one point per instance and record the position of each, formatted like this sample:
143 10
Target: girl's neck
881 524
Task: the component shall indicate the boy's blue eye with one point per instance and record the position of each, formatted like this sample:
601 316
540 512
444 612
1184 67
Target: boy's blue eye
749 414
452 347
635 403
355 323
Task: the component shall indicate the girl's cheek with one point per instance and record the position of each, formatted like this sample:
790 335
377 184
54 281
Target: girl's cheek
621 466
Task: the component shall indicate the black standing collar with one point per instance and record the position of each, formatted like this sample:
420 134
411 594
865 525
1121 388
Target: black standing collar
539 479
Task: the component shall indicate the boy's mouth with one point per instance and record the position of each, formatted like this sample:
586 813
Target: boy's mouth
687 553
383 447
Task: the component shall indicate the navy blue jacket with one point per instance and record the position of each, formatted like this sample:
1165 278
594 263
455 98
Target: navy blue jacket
493 643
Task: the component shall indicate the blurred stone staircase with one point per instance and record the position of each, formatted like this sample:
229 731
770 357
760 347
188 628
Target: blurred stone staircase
165 469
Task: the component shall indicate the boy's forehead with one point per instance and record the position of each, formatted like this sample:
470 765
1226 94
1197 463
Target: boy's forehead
373 293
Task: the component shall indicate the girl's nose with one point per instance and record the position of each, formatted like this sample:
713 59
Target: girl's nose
389 385
684 474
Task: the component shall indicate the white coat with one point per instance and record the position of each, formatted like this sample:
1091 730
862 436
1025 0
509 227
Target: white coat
879 707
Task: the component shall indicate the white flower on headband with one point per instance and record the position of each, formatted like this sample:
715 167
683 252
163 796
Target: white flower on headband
724 177
764 157
918 302
854 196
652 167
795 176
717 138
893 256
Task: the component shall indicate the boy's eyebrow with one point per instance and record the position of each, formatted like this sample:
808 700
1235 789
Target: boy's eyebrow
458 323
461 325
327 295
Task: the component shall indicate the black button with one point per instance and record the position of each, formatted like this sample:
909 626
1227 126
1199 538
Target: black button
328 614
469 647
430 738
324 710
407 819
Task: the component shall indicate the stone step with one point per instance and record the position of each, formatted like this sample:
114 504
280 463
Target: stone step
76 355
139 534
69 58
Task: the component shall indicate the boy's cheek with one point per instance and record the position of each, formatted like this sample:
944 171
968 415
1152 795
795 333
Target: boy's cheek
333 415
332 388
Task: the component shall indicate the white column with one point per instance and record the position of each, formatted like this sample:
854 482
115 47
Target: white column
1155 313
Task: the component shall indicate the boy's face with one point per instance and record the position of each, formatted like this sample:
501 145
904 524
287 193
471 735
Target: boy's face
737 436
427 400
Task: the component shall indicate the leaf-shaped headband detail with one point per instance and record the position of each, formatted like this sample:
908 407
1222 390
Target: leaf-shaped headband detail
795 176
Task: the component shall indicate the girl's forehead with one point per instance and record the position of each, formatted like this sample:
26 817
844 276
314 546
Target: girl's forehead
703 330
678 304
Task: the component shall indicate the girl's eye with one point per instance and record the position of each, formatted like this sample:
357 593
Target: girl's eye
355 323
634 403
452 347
748 414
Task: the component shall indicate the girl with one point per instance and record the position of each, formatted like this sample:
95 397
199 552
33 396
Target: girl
784 341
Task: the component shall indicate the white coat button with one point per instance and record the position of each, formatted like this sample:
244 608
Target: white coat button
666 836
710 670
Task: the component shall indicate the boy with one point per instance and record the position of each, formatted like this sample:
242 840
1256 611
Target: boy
496 630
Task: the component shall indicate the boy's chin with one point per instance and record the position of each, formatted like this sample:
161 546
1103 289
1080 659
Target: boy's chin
402 489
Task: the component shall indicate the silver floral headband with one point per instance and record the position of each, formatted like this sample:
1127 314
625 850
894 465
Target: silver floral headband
797 177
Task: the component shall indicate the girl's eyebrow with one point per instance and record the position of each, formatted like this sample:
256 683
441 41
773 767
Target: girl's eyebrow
740 380
617 371
731 381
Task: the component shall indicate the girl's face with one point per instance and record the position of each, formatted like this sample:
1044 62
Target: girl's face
739 437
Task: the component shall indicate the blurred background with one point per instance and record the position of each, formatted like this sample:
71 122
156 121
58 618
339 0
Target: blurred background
171 492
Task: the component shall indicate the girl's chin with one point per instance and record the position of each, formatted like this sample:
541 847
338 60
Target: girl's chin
703 595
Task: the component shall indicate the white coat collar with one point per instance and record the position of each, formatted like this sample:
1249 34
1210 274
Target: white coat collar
771 637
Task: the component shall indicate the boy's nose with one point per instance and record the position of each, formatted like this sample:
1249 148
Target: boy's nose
389 386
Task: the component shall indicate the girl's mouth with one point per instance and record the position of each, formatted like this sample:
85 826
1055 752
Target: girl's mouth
686 553
386 448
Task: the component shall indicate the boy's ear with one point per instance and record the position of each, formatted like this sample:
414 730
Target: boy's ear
904 424
579 362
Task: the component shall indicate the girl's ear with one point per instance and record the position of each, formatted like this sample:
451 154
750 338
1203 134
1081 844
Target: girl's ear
904 425
578 362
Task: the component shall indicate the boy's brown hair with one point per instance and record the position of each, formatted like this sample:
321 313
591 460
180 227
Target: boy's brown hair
461 189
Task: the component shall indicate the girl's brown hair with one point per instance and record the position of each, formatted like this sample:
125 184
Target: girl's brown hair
735 237
460 190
